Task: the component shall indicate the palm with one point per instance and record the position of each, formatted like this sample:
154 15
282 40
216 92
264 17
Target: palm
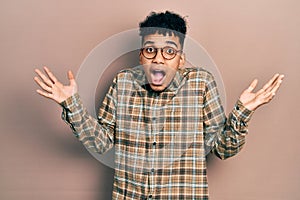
253 100
61 92
54 89
247 96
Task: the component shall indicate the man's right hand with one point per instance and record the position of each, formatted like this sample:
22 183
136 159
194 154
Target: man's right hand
52 88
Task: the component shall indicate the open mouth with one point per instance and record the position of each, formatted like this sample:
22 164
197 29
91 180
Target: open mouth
157 76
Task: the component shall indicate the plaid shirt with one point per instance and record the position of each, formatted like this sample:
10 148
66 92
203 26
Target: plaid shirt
161 139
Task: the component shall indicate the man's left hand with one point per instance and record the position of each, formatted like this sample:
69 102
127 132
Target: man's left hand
253 100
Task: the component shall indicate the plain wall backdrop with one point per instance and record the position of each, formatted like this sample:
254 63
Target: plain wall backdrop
40 157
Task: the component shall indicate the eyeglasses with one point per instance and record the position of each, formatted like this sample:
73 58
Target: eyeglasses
167 52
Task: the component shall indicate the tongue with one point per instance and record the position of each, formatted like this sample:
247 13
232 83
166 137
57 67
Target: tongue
157 77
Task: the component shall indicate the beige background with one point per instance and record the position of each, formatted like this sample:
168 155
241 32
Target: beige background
40 158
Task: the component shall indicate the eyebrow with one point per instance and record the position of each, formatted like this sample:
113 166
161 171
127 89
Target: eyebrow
148 42
171 42
168 42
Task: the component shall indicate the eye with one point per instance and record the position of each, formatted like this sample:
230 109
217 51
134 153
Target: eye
169 50
150 49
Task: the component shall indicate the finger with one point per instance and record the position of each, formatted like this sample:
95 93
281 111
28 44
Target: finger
42 85
45 94
275 84
270 82
44 78
280 78
269 97
71 77
50 74
252 85
260 92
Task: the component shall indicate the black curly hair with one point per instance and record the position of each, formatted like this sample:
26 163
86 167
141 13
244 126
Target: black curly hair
164 23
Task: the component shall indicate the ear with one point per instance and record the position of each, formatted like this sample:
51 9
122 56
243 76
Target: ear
182 60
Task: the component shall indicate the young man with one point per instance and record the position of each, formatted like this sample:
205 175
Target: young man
161 117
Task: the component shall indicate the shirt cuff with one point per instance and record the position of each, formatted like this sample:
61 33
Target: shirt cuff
71 103
241 112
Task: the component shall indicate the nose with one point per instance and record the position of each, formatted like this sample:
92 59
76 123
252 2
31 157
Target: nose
158 57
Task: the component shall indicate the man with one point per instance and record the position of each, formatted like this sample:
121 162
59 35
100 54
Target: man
161 117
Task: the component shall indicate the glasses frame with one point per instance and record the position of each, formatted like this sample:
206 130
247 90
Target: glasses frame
161 51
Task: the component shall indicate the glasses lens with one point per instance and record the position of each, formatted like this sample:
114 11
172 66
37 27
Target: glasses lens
168 53
149 52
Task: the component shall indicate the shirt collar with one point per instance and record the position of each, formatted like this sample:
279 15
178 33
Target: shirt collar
178 80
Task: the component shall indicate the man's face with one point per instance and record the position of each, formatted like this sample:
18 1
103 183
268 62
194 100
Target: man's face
159 70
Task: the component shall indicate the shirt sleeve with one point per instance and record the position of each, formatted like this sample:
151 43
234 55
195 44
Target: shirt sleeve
224 136
95 134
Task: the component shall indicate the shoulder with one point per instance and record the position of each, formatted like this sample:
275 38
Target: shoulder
199 74
130 73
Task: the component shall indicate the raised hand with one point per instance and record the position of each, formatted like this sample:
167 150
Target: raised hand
52 88
253 100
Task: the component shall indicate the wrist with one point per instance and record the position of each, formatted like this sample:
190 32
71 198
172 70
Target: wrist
250 106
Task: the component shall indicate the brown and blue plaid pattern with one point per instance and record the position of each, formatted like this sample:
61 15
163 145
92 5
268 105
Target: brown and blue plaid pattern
161 139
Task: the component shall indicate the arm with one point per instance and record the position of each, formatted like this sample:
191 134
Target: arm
226 136
96 135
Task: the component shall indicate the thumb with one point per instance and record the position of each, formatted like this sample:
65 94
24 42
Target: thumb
252 85
70 76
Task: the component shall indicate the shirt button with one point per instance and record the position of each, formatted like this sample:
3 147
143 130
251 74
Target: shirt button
152 170
154 143
150 196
